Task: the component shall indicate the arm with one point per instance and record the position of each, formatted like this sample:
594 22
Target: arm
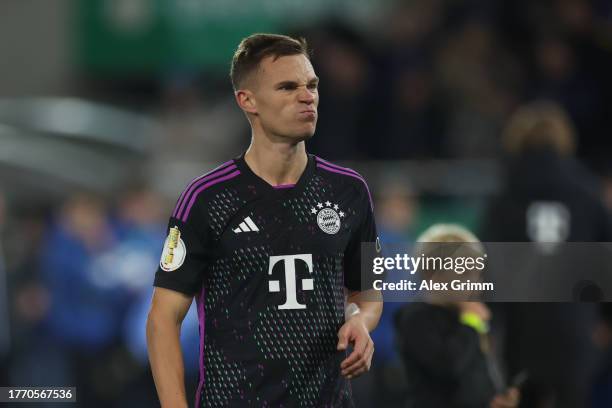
356 331
168 309
370 304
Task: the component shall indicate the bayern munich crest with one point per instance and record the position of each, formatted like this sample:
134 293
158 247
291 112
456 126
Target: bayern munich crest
328 217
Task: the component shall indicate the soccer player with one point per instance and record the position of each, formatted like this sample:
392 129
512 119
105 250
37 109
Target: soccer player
269 245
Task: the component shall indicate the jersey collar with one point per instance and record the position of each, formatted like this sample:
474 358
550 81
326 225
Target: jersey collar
264 186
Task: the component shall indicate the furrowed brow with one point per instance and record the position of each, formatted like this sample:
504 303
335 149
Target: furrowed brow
314 80
286 83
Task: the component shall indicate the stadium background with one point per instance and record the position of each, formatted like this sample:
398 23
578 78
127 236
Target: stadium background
109 107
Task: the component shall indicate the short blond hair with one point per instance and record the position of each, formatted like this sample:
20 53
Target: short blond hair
447 233
427 242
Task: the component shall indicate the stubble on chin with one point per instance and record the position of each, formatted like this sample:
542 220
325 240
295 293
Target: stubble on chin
302 136
306 136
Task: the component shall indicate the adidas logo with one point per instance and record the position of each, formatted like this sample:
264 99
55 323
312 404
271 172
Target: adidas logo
246 226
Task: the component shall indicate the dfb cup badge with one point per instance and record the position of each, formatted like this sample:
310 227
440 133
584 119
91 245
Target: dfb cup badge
174 251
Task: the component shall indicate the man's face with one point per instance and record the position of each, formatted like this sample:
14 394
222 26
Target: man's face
286 96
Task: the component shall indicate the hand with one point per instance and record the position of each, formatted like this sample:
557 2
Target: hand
478 308
355 332
508 400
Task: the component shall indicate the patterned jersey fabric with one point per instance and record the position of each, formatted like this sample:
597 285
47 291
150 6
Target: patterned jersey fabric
268 266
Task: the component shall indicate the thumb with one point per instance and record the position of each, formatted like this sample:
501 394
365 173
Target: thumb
343 338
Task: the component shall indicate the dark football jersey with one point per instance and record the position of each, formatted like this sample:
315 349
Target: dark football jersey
268 267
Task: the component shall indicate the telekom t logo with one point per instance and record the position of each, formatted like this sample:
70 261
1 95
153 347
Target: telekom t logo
290 279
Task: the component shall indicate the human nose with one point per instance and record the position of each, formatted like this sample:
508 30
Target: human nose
307 95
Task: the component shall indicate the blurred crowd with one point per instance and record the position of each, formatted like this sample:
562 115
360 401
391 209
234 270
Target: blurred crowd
438 79
524 83
79 281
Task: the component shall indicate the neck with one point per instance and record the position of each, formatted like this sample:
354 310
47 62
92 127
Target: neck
277 163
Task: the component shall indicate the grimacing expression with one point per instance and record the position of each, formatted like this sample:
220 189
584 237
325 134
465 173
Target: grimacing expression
286 96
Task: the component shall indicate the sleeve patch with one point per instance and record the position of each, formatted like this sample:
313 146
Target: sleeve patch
174 251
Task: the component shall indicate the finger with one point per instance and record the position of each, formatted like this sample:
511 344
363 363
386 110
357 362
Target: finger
371 354
343 339
362 369
363 362
356 374
361 342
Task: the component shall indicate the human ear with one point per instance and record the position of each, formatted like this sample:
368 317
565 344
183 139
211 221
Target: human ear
246 101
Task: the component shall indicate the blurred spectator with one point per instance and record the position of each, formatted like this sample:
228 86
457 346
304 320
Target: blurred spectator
140 222
196 127
95 268
82 324
407 113
396 211
563 75
82 309
415 124
444 342
540 140
480 81
548 197
78 341
139 226
21 232
341 61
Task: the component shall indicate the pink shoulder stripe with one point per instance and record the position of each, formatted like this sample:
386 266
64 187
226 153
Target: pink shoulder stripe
346 173
335 166
222 169
201 188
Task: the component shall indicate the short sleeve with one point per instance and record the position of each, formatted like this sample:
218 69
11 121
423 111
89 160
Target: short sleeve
185 256
353 256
